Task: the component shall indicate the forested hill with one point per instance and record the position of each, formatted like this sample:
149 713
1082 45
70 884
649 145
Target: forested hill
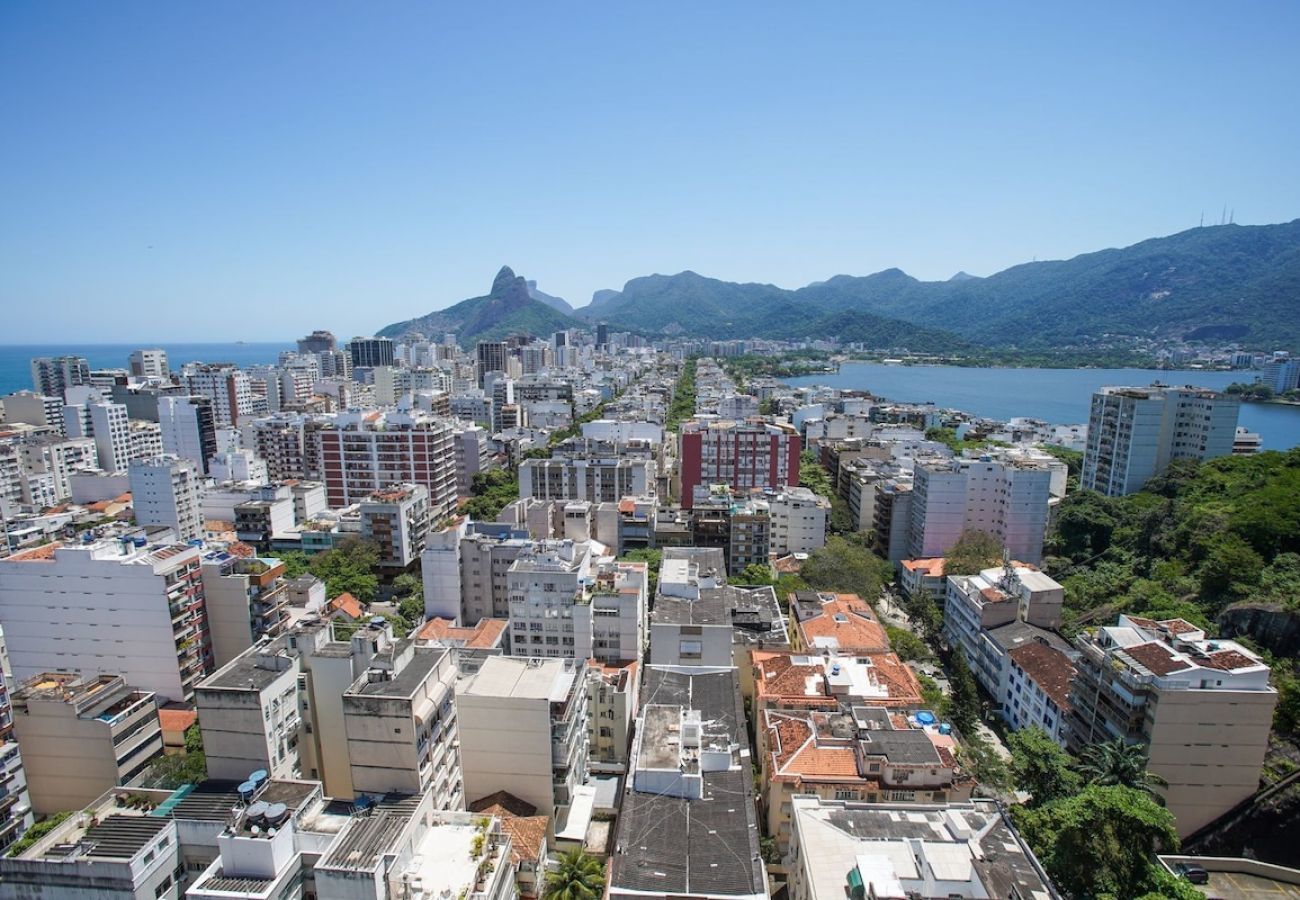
509 308
1217 544
1229 282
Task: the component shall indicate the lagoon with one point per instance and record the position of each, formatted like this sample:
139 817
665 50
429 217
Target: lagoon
1059 396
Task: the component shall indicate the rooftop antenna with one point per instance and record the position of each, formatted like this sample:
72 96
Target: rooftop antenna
1202 225
1232 217
1223 217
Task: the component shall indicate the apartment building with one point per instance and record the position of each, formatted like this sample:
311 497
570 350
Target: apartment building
188 428
891 518
110 426
687 821
248 713
400 720
121 606
613 691
782 679
523 729
465 569
396 520
15 801
473 452
1004 621
121 854
1134 433
246 599
363 453
605 479
491 357
370 352
279 442
166 490
1004 496
226 386
148 363
82 736
742 455
740 526
52 375
42 410
798 520
57 457
969 849
854 752
1202 708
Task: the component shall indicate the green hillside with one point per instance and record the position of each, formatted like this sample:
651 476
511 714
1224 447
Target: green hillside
1220 283
505 310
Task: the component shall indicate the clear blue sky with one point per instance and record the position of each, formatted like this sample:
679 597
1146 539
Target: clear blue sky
174 171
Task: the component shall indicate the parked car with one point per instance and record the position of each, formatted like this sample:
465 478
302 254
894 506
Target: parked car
1193 873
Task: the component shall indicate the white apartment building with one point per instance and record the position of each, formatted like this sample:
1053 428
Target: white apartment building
108 607
568 599
25 407
165 490
622 432
523 729
58 457
465 569
148 363
1134 433
226 386
52 375
1202 708
1006 497
596 479
797 520
188 428
111 428
1004 622
80 737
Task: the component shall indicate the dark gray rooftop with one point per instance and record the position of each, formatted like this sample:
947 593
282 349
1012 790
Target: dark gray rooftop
1017 634
754 615
672 845
405 682
366 838
909 746
122 837
243 673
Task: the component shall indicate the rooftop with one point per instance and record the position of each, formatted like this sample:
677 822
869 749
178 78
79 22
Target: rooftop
959 849
838 622
1049 668
522 677
483 636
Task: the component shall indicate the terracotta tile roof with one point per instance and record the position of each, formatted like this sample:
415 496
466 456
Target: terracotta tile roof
43 553
932 567
240 549
1178 626
1147 624
176 719
788 565
904 688
1049 668
797 756
346 604
485 635
993 595
1228 660
1156 657
527 836
849 622
503 803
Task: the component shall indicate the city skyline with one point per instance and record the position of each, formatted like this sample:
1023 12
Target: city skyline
374 167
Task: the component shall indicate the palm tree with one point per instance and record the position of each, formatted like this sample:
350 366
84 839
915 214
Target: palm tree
579 876
1115 763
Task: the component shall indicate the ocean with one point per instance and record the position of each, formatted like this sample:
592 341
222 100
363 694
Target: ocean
1059 396
15 359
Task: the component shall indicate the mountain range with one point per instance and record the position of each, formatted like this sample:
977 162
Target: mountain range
1219 283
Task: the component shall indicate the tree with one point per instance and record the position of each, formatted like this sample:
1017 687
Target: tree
1041 768
490 492
844 566
1100 842
349 568
1117 763
974 552
579 876
907 645
295 562
756 574
963 707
